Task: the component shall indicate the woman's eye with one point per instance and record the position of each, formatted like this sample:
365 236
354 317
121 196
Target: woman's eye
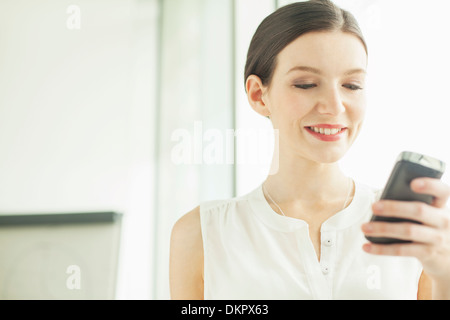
305 86
353 87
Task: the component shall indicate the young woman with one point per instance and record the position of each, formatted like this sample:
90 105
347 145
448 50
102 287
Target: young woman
300 235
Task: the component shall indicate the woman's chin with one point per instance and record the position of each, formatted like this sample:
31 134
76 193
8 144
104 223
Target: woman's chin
330 156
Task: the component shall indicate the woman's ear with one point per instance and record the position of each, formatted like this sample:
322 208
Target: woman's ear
255 95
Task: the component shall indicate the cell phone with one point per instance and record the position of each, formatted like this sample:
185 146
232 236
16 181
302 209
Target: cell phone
409 166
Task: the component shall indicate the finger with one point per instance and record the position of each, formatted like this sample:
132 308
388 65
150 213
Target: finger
417 211
435 187
401 250
403 231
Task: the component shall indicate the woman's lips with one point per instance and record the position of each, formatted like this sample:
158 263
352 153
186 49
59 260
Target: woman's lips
327 132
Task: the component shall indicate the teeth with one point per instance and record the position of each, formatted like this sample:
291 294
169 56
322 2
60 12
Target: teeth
326 131
334 131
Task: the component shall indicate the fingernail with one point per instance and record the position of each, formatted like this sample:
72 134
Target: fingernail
367 227
367 247
419 183
378 206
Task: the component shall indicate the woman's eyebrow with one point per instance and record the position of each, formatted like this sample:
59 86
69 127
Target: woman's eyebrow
305 68
319 72
353 71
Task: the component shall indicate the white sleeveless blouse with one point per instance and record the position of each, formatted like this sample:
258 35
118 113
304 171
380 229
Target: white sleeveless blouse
253 253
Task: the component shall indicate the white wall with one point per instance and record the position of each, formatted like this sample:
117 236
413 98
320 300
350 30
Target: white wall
75 109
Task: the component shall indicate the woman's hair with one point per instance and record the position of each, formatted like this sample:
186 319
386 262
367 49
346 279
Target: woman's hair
287 24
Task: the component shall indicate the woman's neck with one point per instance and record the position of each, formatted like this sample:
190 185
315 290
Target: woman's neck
299 180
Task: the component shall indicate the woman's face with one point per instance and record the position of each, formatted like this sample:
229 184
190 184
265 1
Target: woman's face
316 97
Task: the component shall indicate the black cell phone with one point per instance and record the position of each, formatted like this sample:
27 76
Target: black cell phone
409 166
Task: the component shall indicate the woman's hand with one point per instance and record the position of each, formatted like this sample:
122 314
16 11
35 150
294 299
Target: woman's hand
431 239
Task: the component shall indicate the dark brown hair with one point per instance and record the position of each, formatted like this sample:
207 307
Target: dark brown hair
287 24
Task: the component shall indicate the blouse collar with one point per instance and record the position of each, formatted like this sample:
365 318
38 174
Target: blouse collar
353 213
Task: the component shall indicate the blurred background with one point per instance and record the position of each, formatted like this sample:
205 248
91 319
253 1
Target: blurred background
134 106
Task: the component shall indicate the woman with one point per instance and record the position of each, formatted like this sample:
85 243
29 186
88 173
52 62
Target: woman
300 235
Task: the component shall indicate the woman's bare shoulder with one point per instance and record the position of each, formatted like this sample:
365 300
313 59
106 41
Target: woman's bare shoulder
186 257
188 222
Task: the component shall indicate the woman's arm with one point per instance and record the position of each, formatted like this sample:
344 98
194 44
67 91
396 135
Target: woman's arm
425 288
186 258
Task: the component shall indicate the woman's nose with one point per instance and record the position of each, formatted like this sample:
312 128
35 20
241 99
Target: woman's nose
331 103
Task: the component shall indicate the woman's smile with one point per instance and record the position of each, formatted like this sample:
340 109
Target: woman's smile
327 133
